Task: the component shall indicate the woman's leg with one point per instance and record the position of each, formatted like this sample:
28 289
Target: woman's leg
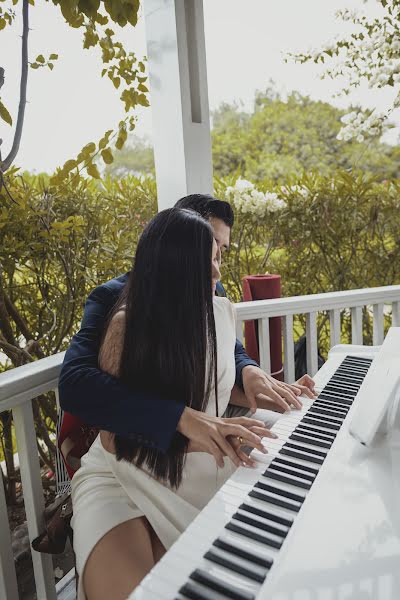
119 561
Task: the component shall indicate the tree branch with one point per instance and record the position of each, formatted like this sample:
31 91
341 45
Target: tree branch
6 163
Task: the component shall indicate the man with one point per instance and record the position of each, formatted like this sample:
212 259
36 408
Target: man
104 402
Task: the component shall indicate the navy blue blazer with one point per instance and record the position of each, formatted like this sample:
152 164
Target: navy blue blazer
100 399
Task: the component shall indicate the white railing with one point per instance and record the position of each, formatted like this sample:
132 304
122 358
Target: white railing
19 386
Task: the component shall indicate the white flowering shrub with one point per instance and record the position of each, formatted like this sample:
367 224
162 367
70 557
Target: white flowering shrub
248 200
370 54
320 233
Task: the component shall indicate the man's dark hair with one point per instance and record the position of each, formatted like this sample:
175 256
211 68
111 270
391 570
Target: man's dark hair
207 206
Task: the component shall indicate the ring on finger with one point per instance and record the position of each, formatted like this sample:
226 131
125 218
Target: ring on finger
239 437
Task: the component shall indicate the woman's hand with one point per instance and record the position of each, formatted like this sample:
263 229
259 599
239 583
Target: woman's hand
264 391
238 445
214 435
306 385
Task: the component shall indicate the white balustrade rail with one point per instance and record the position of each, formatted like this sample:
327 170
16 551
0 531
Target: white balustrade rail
333 303
19 386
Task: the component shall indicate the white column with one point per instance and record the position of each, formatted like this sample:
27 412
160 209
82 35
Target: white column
179 98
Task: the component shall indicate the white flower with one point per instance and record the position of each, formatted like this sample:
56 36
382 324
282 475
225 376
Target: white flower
243 184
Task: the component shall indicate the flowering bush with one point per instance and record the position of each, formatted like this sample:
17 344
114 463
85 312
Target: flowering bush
249 201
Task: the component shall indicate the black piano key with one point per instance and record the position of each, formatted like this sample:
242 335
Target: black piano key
336 406
237 551
280 491
302 455
291 471
214 583
330 389
253 535
292 479
347 386
343 380
313 441
321 453
194 592
234 566
267 515
269 527
331 398
320 423
271 499
290 463
320 410
325 419
323 434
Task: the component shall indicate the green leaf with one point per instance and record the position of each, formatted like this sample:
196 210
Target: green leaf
93 171
4 114
53 56
119 144
34 65
51 66
142 88
88 149
40 59
117 82
107 156
104 140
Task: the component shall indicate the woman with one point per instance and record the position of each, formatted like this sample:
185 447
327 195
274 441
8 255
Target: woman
131 502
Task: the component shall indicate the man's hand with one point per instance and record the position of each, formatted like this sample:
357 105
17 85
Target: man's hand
215 435
306 385
276 394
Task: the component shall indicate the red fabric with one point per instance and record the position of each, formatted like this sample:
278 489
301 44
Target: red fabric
263 287
80 437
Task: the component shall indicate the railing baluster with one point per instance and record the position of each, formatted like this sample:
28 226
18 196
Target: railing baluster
263 343
312 343
8 577
356 325
239 330
288 347
334 318
378 324
33 497
396 314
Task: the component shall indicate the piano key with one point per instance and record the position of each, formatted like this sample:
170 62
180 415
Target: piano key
305 448
320 423
332 398
290 463
214 583
297 471
196 591
261 523
285 478
302 454
274 499
311 430
252 534
229 563
312 441
279 491
337 406
334 420
322 410
243 553
272 516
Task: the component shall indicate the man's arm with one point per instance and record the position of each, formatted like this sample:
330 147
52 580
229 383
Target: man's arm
100 399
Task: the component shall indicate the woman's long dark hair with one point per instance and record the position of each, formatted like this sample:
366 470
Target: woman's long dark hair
170 342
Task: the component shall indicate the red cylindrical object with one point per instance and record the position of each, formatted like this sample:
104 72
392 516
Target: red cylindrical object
263 287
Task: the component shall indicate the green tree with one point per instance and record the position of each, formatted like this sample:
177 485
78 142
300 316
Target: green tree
282 138
135 158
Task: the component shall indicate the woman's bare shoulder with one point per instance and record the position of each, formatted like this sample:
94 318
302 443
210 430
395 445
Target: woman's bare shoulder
111 348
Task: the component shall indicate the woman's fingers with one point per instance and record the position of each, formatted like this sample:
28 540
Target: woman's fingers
245 459
244 421
217 454
229 449
289 395
264 432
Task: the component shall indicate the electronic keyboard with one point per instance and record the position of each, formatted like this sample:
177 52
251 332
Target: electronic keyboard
318 518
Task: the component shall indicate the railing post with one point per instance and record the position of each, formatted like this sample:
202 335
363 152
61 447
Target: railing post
8 577
288 347
396 314
378 324
263 344
33 497
356 325
312 343
334 318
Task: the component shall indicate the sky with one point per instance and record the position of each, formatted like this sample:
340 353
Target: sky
246 43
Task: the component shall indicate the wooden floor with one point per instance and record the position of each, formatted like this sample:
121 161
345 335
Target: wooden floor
66 589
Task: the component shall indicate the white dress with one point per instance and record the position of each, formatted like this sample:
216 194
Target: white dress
106 493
